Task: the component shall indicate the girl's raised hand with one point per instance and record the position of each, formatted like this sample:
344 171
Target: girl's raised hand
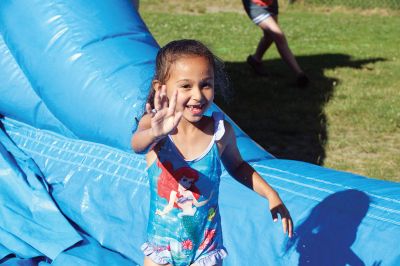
164 117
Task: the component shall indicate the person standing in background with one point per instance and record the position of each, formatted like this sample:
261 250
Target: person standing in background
264 13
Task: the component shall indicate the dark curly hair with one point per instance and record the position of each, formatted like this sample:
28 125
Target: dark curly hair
175 50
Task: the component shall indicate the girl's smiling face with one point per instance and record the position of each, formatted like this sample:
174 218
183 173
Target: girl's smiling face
193 77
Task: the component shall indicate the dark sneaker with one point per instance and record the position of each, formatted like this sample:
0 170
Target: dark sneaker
302 80
257 66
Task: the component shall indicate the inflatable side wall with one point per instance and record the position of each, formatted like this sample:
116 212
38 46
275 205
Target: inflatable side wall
78 57
74 75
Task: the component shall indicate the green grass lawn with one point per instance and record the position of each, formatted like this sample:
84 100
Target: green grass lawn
348 119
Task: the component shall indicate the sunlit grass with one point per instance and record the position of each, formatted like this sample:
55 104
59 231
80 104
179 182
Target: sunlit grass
348 119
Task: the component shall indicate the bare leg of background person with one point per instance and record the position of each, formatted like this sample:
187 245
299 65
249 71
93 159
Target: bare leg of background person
263 45
272 29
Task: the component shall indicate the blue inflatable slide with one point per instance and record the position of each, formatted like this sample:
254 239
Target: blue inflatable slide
74 75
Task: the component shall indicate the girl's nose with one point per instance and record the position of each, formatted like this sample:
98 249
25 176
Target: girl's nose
197 93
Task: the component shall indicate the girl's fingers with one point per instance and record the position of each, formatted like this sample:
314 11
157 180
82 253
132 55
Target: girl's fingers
157 100
177 118
163 96
290 226
172 103
148 108
274 213
285 224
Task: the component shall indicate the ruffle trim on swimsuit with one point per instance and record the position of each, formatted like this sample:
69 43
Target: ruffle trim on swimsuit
212 258
218 125
155 255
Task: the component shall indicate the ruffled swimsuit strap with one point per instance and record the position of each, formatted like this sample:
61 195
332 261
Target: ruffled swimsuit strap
219 127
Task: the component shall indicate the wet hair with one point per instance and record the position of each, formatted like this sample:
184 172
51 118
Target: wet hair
178 49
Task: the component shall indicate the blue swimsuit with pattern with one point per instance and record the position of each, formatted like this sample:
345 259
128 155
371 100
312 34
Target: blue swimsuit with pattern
184 223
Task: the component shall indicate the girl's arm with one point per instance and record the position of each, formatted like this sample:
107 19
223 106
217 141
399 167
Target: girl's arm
245 174
156 125
144 137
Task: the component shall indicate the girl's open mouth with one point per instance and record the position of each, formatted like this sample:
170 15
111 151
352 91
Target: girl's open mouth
195 108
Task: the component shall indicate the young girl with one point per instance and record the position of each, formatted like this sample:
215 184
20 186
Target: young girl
185 151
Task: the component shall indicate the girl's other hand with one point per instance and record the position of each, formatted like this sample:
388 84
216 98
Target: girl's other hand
164 117
277 206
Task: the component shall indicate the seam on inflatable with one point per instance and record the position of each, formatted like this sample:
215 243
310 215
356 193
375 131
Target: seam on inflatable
319 200
226 175
297 183
384 208
30 141
84 166
326 190
297 193
326 182
112 36
8 122
36 142
383 219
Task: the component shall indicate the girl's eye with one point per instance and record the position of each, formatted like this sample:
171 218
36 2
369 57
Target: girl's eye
206 85
185 86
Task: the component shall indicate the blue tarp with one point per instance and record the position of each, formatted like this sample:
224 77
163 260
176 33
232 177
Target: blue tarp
73 77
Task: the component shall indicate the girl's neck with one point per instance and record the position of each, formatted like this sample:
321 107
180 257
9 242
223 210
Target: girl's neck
187 128
192 139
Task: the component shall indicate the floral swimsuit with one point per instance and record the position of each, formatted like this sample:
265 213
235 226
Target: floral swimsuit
184 223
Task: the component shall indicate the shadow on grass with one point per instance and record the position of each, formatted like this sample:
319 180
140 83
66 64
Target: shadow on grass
287 121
